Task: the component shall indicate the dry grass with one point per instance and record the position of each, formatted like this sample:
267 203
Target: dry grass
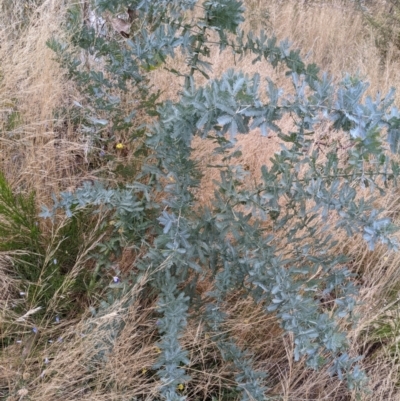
39 151
43 153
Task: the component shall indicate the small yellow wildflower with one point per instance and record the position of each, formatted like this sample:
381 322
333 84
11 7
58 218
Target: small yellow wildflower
120 145
180 387
144 370
158 350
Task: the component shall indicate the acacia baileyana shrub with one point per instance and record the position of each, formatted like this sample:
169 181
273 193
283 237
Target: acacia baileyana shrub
273 241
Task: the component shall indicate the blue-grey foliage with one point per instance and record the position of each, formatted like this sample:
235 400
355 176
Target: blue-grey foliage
274 241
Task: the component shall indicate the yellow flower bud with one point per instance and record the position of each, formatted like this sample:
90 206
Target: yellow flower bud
180 387
120 145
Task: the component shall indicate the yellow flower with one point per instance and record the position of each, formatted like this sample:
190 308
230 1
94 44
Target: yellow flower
120 145
158 350
144 370
180 387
